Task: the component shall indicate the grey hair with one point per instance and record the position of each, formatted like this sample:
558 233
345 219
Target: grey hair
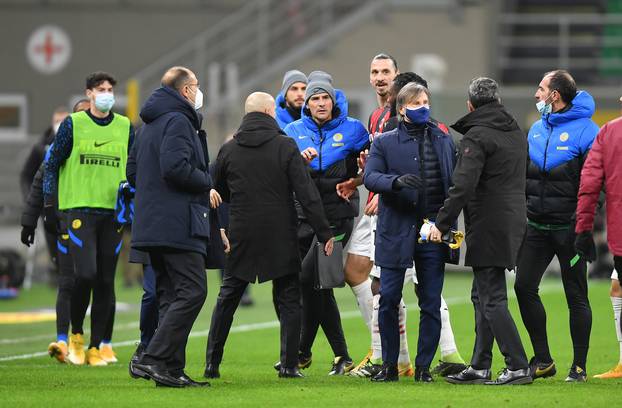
483 90
409 93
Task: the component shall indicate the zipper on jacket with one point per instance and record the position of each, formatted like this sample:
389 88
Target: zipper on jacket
320 152
544 172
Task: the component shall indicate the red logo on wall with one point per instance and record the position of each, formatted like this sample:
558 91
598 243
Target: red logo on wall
48 49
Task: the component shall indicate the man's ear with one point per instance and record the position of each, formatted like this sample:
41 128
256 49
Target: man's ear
470 106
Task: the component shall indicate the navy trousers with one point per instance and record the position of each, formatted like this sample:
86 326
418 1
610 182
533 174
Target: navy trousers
149 306
430 266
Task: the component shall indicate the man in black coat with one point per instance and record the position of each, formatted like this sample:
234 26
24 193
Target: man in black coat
169 169
258 173
489 183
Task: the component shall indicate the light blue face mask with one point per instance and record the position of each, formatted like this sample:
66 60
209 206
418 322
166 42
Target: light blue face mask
543 108
104 101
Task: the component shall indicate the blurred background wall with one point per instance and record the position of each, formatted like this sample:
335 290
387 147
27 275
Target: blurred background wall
49 46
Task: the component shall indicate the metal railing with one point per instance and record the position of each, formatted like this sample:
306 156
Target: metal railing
247 42
265 37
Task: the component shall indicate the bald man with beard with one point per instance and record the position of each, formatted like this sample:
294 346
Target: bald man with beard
257 173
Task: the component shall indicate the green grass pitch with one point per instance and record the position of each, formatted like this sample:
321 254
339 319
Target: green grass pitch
248 378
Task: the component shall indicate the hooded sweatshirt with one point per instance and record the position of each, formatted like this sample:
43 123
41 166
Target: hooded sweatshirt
338 143
558 145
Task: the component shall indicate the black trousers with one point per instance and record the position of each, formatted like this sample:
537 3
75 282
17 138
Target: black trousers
319 307
493 321
65 285
94 244
52 247
538 249
286 292
181 287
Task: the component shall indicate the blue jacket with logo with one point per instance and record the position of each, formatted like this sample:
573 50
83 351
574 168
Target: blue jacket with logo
338 143
558 145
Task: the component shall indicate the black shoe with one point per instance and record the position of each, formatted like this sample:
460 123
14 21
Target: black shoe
189 382
541 370
134 372
341 366
422 374
444 368
368 370
246 300
303 362
388 373
576 374
469 376
160 375
290 373
512 377
211 371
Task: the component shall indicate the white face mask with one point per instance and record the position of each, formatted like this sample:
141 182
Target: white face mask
198 99
542 106
104 101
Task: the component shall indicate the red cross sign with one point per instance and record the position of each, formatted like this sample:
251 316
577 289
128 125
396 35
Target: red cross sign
48 49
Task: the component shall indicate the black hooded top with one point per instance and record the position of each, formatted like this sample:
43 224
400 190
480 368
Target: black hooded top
489 183
258 173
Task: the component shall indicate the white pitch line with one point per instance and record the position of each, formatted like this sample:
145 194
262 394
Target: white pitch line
120 327
270 324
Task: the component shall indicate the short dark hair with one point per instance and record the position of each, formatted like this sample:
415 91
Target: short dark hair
405 78
81 101
399 82
562 82
482 91
97 78
383 56
176 77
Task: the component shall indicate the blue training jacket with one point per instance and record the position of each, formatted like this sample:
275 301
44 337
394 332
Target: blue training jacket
338 143
336 139
558 145
283 117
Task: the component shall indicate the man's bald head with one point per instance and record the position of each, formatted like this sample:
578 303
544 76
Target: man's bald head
260 102
177 77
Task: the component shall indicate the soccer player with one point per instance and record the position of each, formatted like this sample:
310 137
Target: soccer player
85 165
360 259
601 171
34 206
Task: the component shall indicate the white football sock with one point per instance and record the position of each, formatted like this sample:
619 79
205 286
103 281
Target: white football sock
447 343
376 345
616 302
404 357
365 301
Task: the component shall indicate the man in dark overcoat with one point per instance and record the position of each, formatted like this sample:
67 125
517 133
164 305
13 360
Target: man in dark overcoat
489 183
257 173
